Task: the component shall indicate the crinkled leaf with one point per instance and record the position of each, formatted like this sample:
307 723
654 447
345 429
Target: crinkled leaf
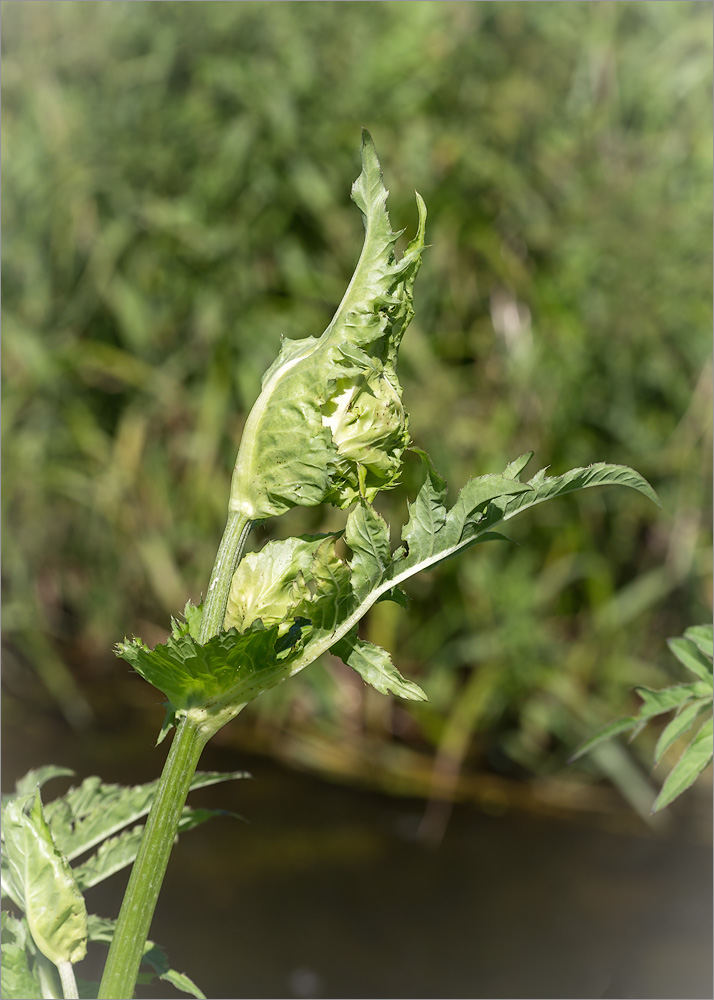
322 608
692 762
286 579
367 535
52 903
432 531
329 424
191 674
375 667
94 811
38 778
118 852
692 657
703 637
17 980
679 725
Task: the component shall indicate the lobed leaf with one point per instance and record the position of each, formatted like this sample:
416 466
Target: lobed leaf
38 778
703 637
685 772
679 725
118 852
691 656
548 487
94 811
41 875
375 667
17 980
322 598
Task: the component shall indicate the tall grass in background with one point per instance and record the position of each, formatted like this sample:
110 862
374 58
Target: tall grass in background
172 179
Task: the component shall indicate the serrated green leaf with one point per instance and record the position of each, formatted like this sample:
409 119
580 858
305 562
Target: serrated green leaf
703 637
427 515
38 778
190 674
367 535
514 469
692 762
549 487
118 852
432 533
155 957
375 667
329 423
679 725
180 981
608 732
657 702
220 677
692 657
191 624
18 981
52 903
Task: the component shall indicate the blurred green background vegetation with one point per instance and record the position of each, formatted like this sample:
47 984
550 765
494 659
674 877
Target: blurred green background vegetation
175 197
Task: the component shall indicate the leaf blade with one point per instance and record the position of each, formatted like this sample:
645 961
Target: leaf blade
375 667
53 905
689 766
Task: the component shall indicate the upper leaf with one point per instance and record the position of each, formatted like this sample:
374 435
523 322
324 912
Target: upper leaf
690 654
329 423
703 638
322 598
93 811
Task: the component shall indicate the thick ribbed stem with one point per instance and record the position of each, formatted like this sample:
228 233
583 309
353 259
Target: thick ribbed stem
147 875
229 554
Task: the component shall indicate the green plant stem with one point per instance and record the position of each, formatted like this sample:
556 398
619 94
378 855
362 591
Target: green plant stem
229 553
147 875
69 983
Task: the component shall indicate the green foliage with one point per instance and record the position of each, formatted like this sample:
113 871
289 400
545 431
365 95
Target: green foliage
300 589
38 845
18 981
689 702
40 881
329 422
173 180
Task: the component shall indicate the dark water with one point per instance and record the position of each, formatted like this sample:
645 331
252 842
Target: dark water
326 892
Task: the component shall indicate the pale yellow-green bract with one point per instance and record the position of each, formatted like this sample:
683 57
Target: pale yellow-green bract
329 424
